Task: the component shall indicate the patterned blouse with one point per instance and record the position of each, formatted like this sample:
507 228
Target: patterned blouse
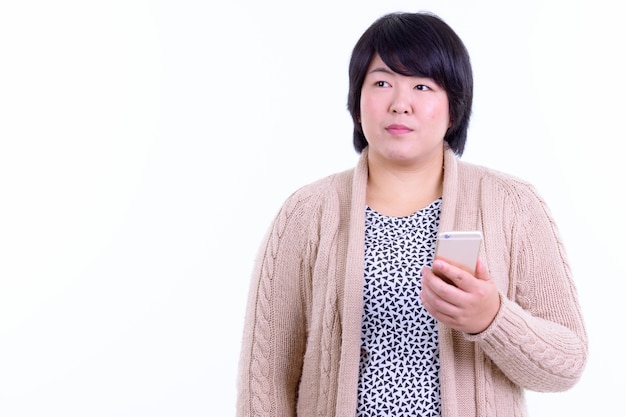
399 364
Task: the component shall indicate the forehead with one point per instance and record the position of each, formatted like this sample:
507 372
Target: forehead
377 62
378 66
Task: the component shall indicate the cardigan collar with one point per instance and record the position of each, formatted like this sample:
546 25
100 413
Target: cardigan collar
450 185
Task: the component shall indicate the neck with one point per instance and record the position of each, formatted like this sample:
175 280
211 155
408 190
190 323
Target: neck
402 190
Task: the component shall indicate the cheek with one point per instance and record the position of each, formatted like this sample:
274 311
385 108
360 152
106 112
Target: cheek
365 106
438 112
367 112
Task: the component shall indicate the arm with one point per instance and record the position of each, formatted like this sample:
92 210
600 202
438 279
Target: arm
538 337
275 328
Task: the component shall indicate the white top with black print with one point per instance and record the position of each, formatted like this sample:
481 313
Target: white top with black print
399 365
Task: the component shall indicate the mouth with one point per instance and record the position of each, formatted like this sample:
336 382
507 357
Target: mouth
396 129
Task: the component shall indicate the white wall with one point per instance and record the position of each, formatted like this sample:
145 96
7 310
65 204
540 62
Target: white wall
145 147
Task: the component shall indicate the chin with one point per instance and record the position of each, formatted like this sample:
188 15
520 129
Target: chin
413 155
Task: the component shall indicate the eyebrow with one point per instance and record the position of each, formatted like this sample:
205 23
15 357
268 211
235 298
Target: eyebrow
381 69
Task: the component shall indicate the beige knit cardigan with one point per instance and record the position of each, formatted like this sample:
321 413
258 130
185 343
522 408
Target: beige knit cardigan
301 341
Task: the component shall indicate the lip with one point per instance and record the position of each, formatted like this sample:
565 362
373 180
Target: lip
397 129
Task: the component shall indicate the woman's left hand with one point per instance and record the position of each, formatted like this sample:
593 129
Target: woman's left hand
469 306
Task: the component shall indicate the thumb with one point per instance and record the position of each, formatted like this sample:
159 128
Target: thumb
481 271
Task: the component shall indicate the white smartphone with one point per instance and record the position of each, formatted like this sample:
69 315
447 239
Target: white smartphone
459 248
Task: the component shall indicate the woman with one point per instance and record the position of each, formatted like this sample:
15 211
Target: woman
349 314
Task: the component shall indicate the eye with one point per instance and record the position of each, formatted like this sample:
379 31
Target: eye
422 87
381 84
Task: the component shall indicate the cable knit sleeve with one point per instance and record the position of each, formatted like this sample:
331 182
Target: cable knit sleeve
538 339
275 324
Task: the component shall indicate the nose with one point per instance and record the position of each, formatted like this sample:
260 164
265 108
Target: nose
401 104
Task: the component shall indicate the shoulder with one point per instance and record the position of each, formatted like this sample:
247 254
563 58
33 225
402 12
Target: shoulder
322 189
501 194
325 197
492 180
465 180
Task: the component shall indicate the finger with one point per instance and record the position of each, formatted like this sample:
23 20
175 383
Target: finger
437 306
428 279
439 293
481 271
456 276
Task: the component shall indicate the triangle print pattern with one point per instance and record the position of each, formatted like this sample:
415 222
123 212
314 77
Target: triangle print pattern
399 364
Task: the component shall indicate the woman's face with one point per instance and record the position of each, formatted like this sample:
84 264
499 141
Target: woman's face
404 119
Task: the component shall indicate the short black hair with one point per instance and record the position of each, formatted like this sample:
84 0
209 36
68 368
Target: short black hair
416 44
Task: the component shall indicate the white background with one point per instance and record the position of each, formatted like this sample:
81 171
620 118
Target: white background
145 147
